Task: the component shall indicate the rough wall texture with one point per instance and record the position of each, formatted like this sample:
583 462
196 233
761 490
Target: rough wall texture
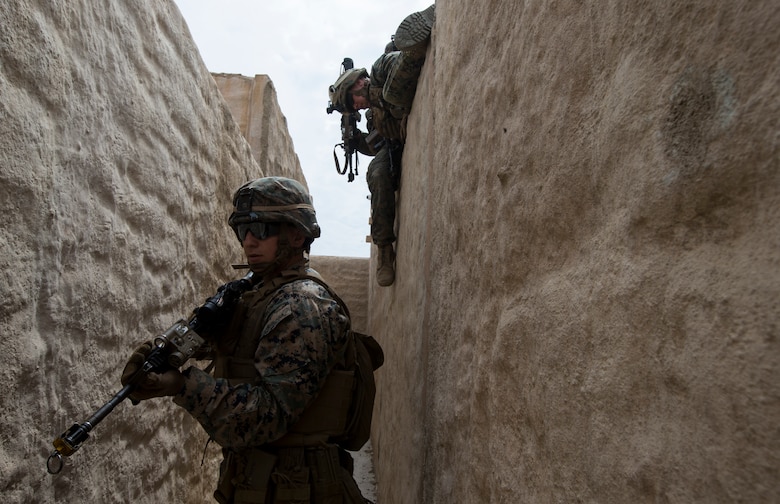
588 282
252 100
118 158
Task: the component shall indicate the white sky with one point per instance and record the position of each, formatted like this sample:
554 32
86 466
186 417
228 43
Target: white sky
300 45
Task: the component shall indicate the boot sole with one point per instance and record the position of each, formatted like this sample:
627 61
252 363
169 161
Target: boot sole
415 29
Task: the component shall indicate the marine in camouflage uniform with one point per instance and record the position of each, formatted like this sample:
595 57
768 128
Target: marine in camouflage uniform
388 93
281 388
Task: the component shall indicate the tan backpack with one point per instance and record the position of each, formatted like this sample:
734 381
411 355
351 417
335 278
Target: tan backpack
368 358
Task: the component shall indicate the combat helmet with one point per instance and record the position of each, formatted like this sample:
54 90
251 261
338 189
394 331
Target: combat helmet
275 200
339 91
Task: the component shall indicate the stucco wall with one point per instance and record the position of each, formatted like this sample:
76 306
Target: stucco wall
586 301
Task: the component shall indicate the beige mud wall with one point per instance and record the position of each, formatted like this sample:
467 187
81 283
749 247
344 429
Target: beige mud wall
252 101
586 305
118 159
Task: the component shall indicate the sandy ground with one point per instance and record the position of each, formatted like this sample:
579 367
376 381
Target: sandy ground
364 472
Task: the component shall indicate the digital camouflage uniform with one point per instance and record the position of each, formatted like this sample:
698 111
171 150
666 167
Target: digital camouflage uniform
283 378
390 92
274 360
297 341
394 75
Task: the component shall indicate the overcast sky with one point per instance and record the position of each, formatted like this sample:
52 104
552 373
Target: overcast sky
300 45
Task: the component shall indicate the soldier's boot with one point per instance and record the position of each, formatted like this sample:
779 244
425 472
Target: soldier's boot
414 31
385 271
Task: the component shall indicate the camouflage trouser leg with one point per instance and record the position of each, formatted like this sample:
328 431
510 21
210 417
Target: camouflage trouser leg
382 186
401 83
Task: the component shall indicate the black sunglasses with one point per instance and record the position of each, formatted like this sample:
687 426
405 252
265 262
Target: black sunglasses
260 230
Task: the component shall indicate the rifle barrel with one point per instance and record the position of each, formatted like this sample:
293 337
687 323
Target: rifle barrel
72 439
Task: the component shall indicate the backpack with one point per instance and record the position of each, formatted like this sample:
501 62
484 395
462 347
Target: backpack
368 358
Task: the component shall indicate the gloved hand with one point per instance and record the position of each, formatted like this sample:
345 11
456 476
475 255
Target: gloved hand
136 360
152 385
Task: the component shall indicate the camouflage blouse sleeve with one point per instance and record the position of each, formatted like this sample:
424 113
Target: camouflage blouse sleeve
303 337
387 118
381 68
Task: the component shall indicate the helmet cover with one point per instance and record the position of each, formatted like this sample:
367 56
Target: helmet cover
339 90
275 199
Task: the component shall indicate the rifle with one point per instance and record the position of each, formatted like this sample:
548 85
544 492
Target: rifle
350 134
171 349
